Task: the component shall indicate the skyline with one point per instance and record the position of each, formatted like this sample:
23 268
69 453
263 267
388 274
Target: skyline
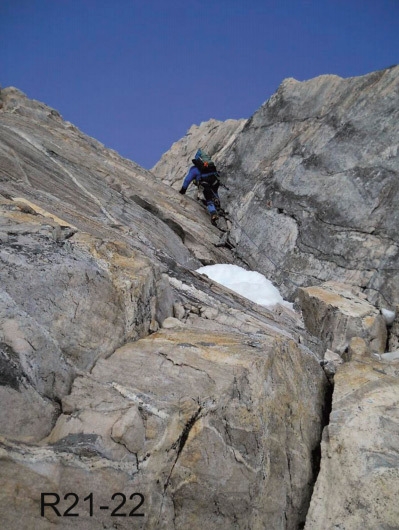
136 77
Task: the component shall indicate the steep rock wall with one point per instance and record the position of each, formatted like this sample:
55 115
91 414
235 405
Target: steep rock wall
95 397
314 184
67 299
358 484
313 180
51 163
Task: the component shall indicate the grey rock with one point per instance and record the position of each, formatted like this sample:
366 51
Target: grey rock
63 305
394 332
196 420
171 322
53 166
214 136
358 483
331 363
179 310
215 418
200 414
313 179
335 314
72 290
34 374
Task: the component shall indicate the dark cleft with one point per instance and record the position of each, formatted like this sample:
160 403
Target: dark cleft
10 371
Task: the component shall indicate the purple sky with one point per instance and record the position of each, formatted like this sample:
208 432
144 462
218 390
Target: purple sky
136 74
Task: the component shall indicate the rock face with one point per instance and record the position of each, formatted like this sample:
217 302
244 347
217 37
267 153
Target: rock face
64 305
214 136
394 332
123 370
314 184
335 314
52 164
130 384
190 421
358 484
204 422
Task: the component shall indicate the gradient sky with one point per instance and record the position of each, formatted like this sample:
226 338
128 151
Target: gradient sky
136 74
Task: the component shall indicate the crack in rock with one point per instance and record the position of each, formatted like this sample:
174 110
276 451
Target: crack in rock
181 441
186 366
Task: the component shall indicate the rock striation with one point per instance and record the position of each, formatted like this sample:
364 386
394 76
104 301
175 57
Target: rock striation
315 179
123 370
312 177
314 183
358 483
335 314
130 384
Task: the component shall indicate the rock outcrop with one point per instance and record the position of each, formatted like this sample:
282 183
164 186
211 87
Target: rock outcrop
314 184
358 483
335 314
199 423
216 137
123 370
130 384
205 422
49 162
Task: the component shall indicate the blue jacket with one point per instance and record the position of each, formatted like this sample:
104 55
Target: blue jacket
193 174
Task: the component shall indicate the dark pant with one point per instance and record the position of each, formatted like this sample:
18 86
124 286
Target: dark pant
210 188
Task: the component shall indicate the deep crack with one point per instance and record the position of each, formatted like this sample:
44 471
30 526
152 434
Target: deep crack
316 452
181 441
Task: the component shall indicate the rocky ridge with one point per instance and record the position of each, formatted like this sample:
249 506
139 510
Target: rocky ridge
124 370
313 180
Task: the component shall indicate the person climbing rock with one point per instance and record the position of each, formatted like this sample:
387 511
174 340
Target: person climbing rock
204 175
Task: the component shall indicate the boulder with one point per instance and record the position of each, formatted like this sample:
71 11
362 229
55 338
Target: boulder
211 429
358 483
335 314
330 364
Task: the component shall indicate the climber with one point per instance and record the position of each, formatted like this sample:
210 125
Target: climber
204 175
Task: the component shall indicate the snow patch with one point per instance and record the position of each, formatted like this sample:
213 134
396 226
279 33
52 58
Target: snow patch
250 284
389 356
388 315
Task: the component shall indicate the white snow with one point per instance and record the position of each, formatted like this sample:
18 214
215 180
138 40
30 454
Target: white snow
389 356
250 284
388 315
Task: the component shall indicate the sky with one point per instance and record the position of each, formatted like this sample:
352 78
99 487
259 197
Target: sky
136 74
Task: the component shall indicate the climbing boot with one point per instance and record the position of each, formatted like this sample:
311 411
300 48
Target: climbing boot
214 218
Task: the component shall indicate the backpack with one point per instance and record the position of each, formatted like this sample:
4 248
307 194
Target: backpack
204 163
